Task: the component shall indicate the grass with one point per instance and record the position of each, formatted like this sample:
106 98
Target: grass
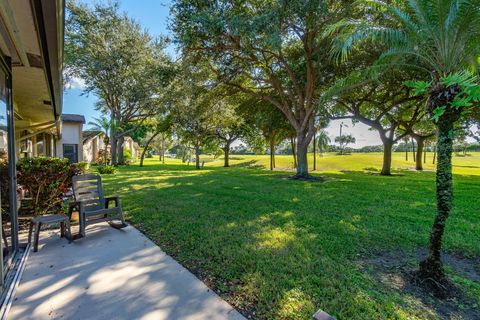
281 249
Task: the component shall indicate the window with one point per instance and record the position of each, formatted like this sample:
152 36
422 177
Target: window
8 198
70 151
40 144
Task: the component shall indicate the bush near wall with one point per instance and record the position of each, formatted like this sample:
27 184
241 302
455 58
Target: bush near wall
46 180
106 169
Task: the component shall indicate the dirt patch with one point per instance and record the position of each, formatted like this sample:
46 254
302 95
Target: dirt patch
306 177
397 270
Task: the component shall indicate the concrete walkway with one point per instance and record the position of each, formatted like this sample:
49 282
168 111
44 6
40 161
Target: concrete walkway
111 274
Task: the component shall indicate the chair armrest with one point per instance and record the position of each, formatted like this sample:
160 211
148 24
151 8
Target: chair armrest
112 198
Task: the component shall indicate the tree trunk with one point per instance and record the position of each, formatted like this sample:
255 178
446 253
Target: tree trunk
113 150
418 159
302 161
315 151
425 153
120 155
406 151
272 153
197 157
294 152
105 146
142 157
432 266
387 158
413 149
226 151
434 154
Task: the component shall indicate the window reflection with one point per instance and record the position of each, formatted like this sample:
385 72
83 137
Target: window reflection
4 178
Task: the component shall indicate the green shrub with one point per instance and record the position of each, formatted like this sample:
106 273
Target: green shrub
46 180
127 156
106 169
82 166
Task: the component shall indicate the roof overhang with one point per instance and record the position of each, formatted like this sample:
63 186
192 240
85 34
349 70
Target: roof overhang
31 34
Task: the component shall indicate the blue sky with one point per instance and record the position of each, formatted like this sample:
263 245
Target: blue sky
153 16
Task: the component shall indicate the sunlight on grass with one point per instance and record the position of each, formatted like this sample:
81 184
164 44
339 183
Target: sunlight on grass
275 238
295 304
281 249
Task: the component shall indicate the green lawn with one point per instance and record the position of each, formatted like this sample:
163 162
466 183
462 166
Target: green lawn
281 249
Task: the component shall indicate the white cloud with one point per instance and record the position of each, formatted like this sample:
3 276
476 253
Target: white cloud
76 83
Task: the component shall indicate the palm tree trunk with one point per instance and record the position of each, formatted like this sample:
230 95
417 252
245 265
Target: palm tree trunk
432 266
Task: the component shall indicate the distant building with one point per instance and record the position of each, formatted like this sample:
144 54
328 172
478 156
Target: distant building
133 147
70 145
93 144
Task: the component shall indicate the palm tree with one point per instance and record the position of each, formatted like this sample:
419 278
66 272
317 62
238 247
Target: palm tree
103 124
323 141
440 38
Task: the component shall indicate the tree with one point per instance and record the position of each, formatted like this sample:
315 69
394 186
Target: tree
441 38
230 126
195 108
386 107
154 128
271 50
119 62
105 125
162 143
319 127
323 141
269 122
421 133
344 140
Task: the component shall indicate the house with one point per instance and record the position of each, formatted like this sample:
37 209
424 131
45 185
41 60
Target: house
31 55
93 145
71 143
131 147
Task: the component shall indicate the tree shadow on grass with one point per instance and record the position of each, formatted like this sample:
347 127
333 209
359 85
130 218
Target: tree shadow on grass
252 164
395 270
281 248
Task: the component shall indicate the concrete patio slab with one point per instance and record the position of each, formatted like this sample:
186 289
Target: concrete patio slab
111 274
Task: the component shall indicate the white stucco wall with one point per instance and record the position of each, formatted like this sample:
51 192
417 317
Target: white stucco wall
88 149
71 134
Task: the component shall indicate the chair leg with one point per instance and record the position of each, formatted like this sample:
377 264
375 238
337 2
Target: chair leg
30 230
69 231
38 225
62 229
82 225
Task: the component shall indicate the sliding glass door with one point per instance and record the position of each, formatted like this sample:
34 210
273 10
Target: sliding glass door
8 205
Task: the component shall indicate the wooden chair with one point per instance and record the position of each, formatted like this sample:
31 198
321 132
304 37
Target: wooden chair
92 206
